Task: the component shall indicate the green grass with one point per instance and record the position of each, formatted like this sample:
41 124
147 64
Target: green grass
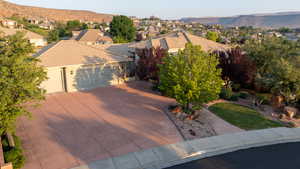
242 117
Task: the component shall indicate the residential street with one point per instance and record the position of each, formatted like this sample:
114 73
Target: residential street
283 156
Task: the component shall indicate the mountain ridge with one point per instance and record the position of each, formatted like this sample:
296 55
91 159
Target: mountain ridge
8 9
268 20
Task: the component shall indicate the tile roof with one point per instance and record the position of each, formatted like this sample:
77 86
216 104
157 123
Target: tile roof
71 52
28 34
92 35
177 40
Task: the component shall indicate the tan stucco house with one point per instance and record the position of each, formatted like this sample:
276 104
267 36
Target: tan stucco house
34 38
74 66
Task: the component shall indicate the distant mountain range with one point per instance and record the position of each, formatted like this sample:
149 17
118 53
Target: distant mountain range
8 9
271 20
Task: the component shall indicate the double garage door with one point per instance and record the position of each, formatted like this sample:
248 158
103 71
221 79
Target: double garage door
70 79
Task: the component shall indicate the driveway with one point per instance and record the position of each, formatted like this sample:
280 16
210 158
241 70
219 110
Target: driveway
71 129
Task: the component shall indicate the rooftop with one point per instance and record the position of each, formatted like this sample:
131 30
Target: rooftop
71 52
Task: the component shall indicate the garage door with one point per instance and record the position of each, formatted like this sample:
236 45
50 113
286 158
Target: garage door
90 78
55 82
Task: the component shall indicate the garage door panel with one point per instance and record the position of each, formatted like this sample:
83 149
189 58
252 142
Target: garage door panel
89 78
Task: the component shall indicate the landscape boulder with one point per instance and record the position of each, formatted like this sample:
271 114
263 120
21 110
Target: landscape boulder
291 112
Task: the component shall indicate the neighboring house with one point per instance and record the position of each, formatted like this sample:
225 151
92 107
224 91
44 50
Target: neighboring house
48 26
8 23
176 41
34 38
75 34
74 66
93 37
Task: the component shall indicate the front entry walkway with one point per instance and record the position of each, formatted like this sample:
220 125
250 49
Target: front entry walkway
71 129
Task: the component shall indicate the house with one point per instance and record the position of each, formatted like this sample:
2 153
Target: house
8 23
34 38
93 37
176 41
46 25
74 66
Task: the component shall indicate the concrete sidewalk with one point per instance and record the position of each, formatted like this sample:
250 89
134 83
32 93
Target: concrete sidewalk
179 153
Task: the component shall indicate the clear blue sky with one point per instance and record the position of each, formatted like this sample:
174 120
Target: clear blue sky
171 9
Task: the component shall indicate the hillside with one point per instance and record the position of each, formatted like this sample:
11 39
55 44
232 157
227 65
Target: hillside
276 20
8 9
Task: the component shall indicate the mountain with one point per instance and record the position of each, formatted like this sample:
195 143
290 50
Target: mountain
272 20
8 9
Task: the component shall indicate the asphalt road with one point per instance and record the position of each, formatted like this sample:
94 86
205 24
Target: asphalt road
282 156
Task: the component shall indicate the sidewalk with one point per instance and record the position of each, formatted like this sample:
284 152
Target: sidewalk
183 152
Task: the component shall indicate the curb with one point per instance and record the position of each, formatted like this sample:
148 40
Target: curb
183 152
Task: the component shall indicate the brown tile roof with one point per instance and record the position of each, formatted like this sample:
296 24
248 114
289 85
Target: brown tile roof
28 34
71 52
93 35
177 40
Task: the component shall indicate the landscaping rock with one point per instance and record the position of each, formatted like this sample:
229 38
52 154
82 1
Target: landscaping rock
176 110
290 111
277 101
282 116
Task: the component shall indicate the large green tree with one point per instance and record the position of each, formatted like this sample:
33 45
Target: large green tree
20 79
191 76
122 29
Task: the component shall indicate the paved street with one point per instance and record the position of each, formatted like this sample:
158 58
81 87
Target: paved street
283 156
72 129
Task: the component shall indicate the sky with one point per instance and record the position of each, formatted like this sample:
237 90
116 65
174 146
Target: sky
170 9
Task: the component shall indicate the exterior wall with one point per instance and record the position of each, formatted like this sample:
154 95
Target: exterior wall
85 77
54 83
38 42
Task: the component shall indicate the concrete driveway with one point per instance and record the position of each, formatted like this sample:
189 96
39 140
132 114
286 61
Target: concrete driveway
71 129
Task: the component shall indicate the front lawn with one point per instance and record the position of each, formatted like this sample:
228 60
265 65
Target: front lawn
242 117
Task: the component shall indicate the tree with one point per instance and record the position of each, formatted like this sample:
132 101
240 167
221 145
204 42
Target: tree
277 62
122 29
20 79
214 36
237 66
149 59
53 36
74 25
191 76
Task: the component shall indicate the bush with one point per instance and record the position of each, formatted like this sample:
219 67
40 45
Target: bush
236 87
263 98
244 95
13 154
234 97
226 93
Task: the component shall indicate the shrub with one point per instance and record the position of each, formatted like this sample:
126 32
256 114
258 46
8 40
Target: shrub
226 93
13 154
244 95
236 87
237 66
263 98
234 97
147 67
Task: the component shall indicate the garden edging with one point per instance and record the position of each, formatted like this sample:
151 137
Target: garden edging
179 153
